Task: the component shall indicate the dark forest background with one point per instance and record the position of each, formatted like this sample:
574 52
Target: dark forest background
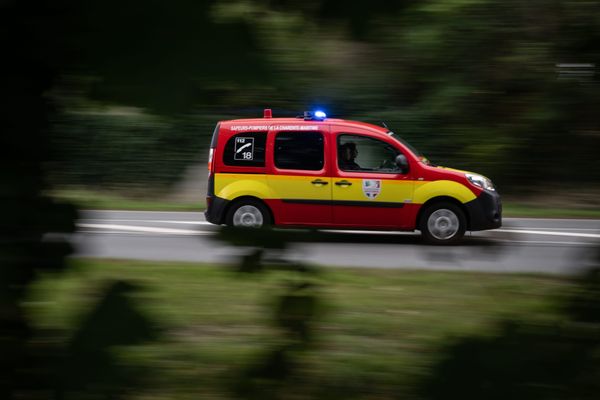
505 88
113 94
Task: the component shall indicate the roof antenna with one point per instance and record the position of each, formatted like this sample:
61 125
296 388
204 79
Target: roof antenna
384 125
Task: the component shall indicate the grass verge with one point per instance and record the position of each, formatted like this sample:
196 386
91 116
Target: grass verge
378 330
541 211
92 200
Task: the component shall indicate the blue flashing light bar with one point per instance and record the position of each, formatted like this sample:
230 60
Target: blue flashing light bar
319 115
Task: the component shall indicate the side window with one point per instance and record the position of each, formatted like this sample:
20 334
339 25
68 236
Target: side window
246 150
361 153
299 150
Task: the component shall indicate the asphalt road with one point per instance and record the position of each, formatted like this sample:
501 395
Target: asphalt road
560 246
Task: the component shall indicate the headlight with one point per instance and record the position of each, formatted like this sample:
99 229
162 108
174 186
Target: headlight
480 181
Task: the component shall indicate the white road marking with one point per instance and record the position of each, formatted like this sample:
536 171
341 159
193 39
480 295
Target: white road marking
505 229
543 242
138 234
146 229
200 211
553 229
369 232
535 232
550 219
186 222
151 221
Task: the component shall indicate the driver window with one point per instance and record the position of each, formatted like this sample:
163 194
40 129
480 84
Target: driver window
361 153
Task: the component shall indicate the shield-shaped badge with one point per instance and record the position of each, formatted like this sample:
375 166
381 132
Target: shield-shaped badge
371 187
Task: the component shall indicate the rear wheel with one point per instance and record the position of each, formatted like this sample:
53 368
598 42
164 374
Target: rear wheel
248 213
443 223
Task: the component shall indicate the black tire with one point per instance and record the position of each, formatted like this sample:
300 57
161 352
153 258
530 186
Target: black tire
443 223
255 209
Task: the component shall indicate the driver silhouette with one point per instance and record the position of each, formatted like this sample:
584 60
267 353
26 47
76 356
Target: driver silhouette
347 155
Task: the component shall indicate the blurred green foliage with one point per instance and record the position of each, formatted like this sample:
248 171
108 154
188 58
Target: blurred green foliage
506 88
526 359
377 334
125 148
34 241
67 61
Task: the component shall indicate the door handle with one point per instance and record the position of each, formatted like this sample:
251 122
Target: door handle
319 182
343 183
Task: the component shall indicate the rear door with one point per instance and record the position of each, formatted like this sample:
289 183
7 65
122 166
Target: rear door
368 189
300 177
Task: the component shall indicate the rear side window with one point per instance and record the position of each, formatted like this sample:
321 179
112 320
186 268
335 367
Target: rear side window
246 150
299 150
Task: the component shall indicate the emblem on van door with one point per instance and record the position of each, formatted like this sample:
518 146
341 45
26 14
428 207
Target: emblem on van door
244 149
371 187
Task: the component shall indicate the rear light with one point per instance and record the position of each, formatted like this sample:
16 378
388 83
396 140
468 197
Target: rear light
211 155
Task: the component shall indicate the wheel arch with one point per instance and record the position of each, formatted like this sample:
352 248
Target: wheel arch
241 199
442 199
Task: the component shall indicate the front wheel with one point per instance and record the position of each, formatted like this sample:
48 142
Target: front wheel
443 223
248 214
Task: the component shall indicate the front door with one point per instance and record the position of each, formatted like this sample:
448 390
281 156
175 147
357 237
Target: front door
369 189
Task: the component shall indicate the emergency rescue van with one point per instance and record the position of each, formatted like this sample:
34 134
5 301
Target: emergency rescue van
316 172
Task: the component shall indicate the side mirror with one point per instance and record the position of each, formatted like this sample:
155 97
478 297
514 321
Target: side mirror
402 162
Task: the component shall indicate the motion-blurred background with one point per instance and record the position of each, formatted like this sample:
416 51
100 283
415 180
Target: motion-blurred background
509 89
111 104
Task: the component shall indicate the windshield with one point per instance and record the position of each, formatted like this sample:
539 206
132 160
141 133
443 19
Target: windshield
416 152
410 147
405 143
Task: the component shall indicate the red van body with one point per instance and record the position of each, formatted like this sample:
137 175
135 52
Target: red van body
334 173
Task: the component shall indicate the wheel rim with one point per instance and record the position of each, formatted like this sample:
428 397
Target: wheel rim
248 217
443 224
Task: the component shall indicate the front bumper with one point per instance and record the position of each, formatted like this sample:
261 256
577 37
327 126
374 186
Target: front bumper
485 212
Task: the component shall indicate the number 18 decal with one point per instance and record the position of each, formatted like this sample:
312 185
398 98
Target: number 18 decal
244 149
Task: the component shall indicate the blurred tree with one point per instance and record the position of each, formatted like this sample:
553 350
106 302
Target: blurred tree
501 87
273 374
91 364
160 56
26 216
33 228
528 360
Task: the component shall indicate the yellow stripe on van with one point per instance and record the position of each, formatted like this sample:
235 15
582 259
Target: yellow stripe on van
231 186
390 191
427 190
300 187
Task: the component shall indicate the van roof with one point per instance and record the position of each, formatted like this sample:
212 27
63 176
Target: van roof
299 121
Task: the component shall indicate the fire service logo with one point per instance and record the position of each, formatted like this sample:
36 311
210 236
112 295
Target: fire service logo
371 187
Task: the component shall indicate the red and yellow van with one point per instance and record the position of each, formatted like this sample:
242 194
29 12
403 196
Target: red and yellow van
316 172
